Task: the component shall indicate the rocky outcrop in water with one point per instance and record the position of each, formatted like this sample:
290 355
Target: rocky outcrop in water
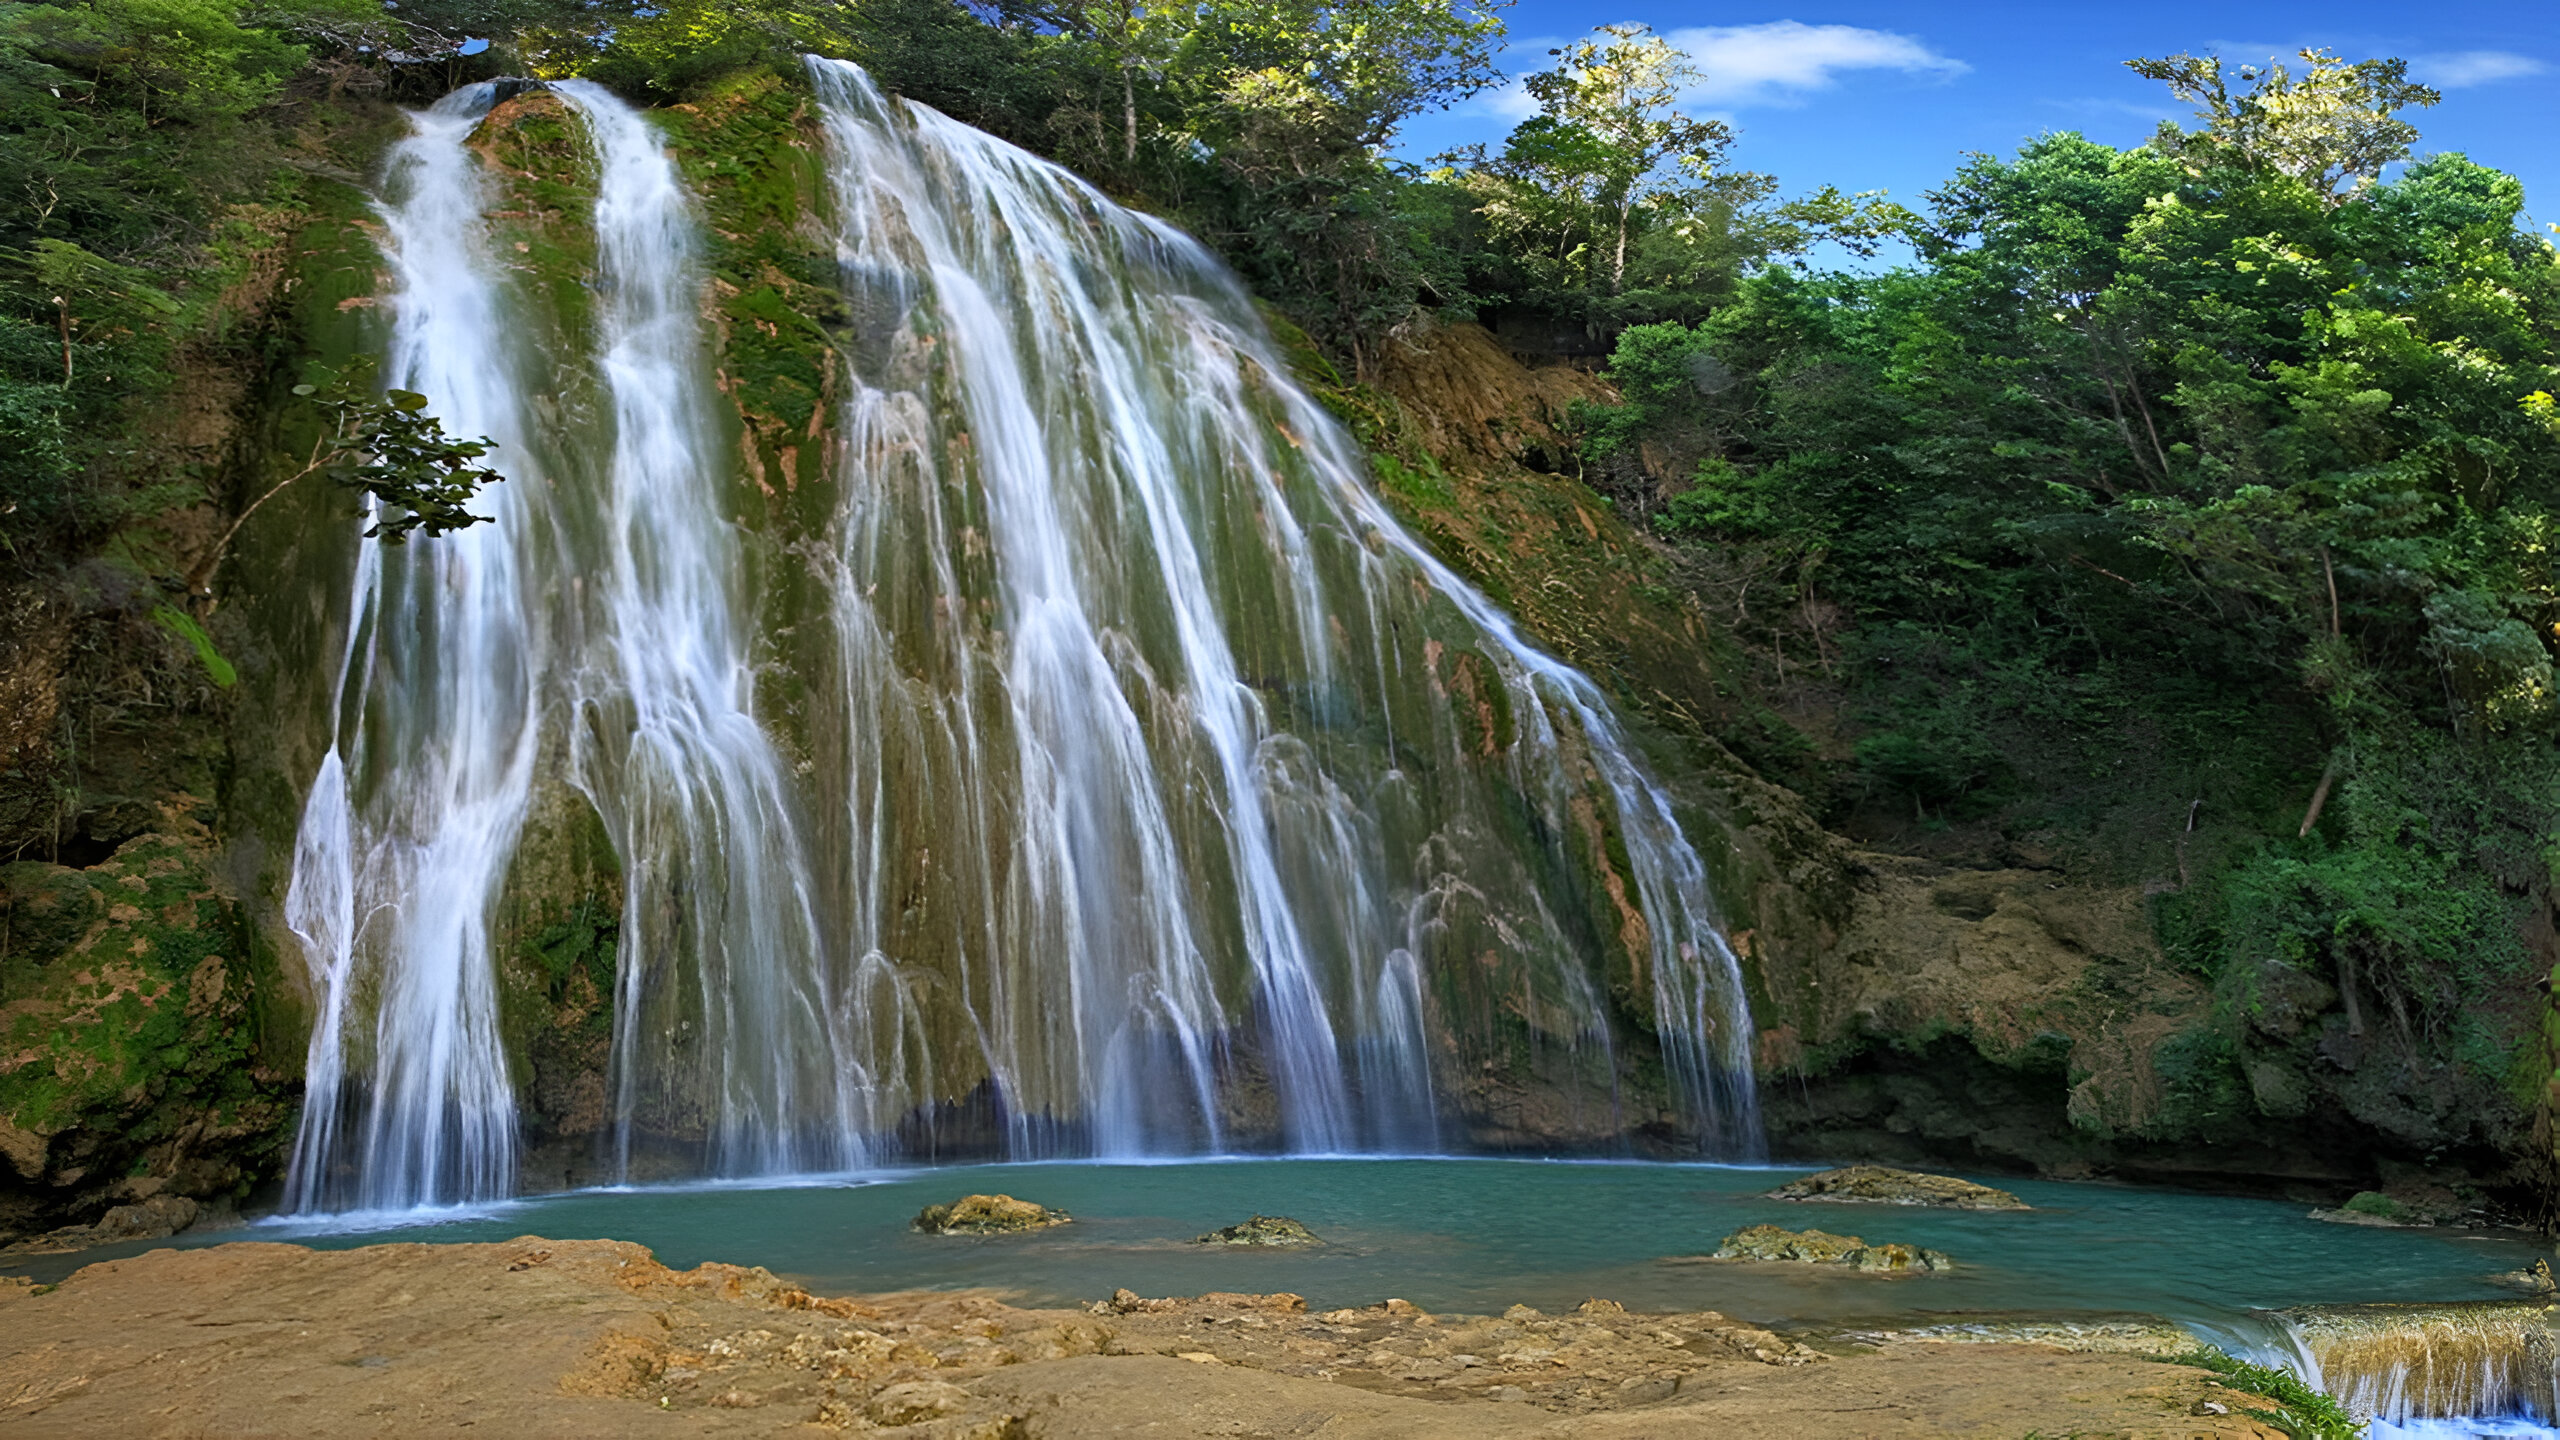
1262 1230
1818 1247
1880 1185
988 1215
2536 1278
2409 1206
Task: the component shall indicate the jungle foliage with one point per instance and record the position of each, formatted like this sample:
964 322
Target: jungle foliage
2189 506
2194 504
145 145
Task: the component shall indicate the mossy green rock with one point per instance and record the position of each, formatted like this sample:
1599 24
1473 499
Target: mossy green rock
1818 1247
988 1215
130 1037
1262 1230
2372 1207
1879 1185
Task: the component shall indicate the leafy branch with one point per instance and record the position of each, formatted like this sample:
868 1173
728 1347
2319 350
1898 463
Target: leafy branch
391 449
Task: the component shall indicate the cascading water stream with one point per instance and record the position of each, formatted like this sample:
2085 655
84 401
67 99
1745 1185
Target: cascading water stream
1171 798
666 745
2432 1371
408 829
1074 411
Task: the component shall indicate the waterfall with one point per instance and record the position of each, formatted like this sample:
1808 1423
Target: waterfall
1148 790
1136 523
2427 1369
407 832
720 947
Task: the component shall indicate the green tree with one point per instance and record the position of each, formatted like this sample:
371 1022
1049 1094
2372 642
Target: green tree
1612 204
1613 105
1138 39
2333 128
1295 103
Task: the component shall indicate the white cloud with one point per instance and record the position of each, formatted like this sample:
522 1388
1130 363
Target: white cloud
1779 62
2456 69
1511 100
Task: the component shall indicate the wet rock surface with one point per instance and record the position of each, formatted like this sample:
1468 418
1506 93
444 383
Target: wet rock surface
988 1215
152 1219
1882 1185
1818 1247
1262 1230
575 1338
2535 1278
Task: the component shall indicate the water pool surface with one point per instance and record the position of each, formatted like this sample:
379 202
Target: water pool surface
1483 1234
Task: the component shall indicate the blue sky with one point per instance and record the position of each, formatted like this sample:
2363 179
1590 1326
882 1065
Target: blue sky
1868 96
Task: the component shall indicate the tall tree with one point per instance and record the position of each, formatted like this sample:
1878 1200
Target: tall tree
1138 37
1612 111
1296 103
2333 127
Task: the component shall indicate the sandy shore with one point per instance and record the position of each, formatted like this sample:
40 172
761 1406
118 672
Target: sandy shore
594 1338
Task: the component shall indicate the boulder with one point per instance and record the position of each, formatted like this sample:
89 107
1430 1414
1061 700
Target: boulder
1262 1230
1768 1242
2535 1278
987 1215
2400 1208
1879 1185
1817 1247
152 1219
915 1401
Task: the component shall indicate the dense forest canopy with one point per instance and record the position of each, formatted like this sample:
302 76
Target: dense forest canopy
2194 503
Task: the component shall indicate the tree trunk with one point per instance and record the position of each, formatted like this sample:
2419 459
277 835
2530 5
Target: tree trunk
1129 109
1618 266
2319 798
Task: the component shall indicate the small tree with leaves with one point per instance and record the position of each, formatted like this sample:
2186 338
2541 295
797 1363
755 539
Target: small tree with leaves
388 447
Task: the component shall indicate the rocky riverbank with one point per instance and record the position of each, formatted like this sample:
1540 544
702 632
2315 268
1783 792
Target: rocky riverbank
595 1338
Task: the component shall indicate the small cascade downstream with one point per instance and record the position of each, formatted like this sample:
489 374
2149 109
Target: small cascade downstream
2438 1371
1143 788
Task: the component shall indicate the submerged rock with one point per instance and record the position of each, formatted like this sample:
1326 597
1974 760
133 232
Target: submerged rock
2372 1207
1880 1185
1817 1247
988 1215
1262 1230
2535 1277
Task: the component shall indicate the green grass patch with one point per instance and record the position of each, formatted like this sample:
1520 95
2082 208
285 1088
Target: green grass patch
2301 1412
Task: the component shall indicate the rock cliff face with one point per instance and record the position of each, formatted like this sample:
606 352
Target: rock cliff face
2002 1009
154 1011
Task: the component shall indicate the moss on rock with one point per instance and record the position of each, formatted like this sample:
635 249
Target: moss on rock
130 1054
1881 1185
1820 1247
1277 1230
987 1215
